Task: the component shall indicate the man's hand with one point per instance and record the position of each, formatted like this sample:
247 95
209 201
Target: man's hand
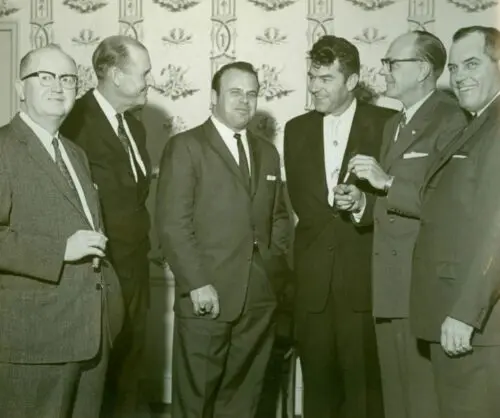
83 244
347 197
456 336
205 300
367 168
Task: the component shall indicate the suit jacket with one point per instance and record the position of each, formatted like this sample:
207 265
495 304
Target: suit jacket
50 311
431 128
208 220
123 200
456 268
322 234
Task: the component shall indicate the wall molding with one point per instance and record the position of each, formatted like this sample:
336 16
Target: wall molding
13 28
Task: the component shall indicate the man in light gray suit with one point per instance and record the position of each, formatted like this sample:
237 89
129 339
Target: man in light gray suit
428 122
60 301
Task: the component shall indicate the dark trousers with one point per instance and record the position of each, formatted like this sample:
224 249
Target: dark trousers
468 386
406 369
125 365
339 361
218 367
66 390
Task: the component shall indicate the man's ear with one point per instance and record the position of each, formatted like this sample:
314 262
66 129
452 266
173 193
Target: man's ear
352 81
20 89
213 98
425 70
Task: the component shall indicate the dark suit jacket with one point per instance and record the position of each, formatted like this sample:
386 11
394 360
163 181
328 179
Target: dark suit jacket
123 201
50 311
431 128
322 232
456 268
207 219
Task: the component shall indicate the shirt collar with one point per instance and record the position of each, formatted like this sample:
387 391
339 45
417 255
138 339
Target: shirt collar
410 112
485 107
106 107
44 135
224 130
348 114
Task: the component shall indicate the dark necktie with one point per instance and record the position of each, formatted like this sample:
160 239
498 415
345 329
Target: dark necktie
401 125
125 141
62 166
244 168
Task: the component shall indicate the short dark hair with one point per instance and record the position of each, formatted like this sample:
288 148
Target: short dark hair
235 65
430 48
491 39
113 51
28 57
329 48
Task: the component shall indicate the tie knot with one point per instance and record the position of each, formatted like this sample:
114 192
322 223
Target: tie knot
237 136
402 121
55 142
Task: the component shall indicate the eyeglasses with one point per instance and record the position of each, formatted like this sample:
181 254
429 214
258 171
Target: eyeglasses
388 63
47 79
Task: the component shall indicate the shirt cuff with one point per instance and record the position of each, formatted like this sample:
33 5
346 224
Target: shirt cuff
357 215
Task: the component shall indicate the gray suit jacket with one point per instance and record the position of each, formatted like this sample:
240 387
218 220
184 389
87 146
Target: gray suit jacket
395 219
208 220
456 266
50 311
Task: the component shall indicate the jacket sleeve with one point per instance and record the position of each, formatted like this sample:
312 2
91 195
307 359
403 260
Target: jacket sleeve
175 202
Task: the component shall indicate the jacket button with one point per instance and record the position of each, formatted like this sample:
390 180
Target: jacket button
98 286
394 252
331 248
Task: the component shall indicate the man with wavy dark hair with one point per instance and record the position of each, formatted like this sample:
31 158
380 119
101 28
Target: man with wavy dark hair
334 324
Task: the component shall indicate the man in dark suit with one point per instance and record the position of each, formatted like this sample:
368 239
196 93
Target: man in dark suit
60 304
428 122
456 266
336 340
222 225
115 144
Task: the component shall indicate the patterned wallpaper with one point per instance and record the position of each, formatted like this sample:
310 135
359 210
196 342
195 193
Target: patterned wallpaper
189 39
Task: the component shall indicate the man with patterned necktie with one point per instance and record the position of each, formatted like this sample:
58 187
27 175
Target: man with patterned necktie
60 300
223 228
115 143
428 122
336 340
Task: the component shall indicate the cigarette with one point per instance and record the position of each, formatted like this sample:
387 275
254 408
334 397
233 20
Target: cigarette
346 177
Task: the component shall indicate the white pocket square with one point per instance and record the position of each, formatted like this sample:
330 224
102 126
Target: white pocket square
459 156
414 154
96 187
270 177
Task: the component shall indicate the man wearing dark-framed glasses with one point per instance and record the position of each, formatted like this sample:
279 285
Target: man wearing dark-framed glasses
427 123
60 299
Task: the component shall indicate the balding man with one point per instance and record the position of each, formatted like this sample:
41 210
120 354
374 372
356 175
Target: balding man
115 143
428 122
60 303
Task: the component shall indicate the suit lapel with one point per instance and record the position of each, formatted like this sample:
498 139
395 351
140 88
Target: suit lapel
388 139
43 159
139 140
217 143
460 141
413 131
255 162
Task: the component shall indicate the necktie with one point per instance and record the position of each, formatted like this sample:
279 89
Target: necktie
401 125
62 166
125 141
245 171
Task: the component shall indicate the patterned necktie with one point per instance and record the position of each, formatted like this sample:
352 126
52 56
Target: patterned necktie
245 171
125 141
62 166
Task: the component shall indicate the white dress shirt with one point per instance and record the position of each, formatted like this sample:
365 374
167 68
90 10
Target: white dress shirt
485 107
110 114
46 140
336 131
227 135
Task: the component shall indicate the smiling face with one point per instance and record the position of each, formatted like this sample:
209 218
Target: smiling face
52 102
330 90
236 102
474 76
